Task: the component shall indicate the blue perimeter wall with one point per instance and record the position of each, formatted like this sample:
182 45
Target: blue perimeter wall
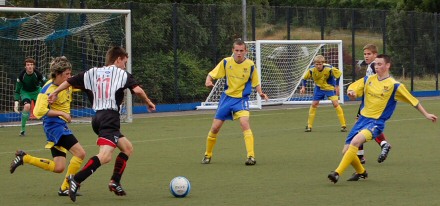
9 117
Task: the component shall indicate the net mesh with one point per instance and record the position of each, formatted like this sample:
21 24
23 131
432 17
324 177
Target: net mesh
82 38
282 68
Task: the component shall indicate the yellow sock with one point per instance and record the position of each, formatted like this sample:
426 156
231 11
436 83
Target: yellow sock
312 114
249 142
210 143
74 166
356 163
347 159
40 162
340 114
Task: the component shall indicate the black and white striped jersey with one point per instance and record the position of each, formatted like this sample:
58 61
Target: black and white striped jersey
370 69
104 86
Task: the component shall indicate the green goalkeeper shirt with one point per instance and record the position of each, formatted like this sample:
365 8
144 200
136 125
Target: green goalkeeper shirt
28 83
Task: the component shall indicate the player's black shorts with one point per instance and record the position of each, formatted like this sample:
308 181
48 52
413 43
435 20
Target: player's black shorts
66 141
107 124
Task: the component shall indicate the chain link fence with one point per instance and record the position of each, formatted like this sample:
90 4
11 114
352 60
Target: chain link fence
176 45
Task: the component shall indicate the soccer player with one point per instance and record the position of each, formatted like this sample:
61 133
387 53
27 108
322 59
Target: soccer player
380 94
105 88
241 75
324 76
28 86
59 137
370 53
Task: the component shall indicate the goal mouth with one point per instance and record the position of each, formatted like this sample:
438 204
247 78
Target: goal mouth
82 35
281 65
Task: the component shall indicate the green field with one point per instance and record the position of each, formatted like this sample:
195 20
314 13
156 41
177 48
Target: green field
292 165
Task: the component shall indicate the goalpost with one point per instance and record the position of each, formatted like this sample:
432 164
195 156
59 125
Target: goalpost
282 65
82 35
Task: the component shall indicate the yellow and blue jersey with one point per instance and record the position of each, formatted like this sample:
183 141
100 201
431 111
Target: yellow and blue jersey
380 96
61 104
240 78
325 79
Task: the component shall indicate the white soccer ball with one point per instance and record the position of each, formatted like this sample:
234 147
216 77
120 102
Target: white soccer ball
180 186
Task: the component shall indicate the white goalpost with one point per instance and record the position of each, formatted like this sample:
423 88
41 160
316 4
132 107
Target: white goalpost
282 65
82 35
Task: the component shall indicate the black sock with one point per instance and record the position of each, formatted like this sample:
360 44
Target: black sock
92 165
120 163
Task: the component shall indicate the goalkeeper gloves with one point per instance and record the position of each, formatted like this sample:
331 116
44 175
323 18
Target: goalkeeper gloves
16 107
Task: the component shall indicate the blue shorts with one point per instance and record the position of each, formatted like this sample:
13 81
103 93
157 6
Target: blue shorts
55 128
319 94
229 105
375 126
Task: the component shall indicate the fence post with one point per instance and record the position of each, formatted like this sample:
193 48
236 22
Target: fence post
254 24
214 33
322 14
353 44
176 58
289 21
412 45
436 49
384 31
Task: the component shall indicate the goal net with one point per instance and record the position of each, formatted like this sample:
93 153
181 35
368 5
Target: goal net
282 65
82 35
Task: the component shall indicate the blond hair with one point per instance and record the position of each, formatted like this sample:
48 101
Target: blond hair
319 58
59 65
371 47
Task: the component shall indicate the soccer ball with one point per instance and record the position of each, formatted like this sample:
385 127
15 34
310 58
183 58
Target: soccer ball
180 186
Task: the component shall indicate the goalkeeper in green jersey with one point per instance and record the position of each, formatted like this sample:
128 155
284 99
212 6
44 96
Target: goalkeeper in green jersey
28 86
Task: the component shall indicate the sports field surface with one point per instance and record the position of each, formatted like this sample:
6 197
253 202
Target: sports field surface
291 169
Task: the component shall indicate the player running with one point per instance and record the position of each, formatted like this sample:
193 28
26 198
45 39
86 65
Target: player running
105 88
55 118
380 94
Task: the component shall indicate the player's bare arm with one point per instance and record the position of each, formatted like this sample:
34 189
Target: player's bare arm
208 82
351 94
56 113
54 95
302 90
141 94
260 92
429 116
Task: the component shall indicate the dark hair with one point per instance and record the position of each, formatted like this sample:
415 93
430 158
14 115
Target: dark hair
59 65
113 54
239 42
29 60
386 58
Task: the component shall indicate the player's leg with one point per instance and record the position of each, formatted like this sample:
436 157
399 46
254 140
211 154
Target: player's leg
126 148
361 153
349 158
72 145
105 125
248 136
211 140
22 157
339 112
385 147
312 115
25 115
222 114
104 156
